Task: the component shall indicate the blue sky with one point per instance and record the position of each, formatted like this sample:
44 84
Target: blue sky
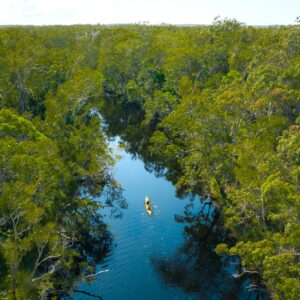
251 12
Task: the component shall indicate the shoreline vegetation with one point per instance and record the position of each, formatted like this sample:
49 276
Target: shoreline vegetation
215 109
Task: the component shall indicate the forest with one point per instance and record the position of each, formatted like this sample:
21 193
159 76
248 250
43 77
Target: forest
214 109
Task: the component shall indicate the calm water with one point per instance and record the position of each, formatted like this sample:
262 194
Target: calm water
138 237
139 240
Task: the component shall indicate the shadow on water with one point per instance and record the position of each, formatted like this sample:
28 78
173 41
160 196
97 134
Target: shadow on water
189 263
170 255
195 267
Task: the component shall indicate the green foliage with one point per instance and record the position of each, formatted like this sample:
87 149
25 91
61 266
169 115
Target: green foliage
213 108
218 107
15 126
54 160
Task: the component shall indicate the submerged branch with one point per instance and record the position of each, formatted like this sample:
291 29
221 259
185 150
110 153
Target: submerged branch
245 273
92 275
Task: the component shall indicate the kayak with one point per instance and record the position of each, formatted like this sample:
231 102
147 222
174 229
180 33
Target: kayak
148 206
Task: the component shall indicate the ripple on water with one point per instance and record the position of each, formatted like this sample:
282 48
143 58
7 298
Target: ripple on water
139 239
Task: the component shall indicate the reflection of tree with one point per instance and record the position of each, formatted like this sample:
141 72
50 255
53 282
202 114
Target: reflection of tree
52 231
196 268
93 243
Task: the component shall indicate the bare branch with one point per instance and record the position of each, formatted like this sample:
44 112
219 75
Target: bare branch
48 257
51 271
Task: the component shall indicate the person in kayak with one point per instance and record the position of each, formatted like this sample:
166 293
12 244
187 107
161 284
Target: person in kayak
148 205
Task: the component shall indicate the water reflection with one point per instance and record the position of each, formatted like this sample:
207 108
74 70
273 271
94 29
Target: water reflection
195 267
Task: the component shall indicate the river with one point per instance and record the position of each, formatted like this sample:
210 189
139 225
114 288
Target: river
146 260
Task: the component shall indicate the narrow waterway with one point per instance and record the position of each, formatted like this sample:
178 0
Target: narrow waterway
138 238
146 261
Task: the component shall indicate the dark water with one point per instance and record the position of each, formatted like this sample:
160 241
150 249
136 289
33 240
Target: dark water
148 260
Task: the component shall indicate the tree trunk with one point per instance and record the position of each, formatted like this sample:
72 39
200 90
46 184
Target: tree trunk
14 281
263 214
22 100
22 77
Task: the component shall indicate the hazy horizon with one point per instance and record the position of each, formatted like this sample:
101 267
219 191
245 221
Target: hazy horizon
155 12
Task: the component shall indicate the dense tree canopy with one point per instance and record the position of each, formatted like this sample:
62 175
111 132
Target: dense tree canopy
215 109
219 110
54 159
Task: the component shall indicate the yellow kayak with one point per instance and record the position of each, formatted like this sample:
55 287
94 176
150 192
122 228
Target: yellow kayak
148 206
